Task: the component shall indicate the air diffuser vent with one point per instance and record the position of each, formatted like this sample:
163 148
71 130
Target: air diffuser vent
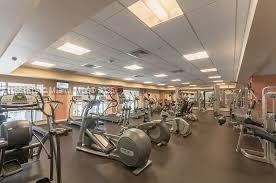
63 70
138 76
139 53
91 66
177 71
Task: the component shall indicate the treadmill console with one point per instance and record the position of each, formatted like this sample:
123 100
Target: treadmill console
18 100
77 98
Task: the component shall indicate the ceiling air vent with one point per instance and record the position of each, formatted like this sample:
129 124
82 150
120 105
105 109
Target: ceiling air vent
62 70
138 76
177 71
91 66
139 53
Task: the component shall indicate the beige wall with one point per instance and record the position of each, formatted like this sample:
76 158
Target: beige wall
68 76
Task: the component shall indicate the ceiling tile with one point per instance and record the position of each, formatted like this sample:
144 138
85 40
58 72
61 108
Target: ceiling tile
127 2
182 38
135 30
95 31
242 12
217 33
109 11
190 5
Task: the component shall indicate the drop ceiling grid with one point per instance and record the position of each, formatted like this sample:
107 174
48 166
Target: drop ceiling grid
109 11
217 33
242 14
192 5
144 37
110 28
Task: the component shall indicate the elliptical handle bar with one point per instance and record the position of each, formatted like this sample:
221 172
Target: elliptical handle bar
40 99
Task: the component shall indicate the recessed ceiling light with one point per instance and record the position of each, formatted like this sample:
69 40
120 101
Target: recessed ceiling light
218 81
170 86
161 84
147 82
196 56
98 73
43 64
176 80
192 85
214 77
74 49
129 79
209 70
153 12
129 54
133 67
160 75
186 83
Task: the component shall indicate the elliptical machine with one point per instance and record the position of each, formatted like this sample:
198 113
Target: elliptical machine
132 147
16 146
157 131
177 125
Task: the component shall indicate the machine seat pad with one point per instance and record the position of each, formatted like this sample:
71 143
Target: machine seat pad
260 132
249 121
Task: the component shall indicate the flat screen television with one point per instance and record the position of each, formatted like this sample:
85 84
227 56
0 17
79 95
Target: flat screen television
62 85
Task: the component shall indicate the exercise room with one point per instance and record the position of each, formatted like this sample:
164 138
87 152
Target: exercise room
137 91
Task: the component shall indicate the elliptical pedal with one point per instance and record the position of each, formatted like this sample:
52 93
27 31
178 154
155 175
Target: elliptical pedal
137 171
44 180
11 167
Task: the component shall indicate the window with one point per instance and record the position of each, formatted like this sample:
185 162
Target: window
78 107
3 86
131 94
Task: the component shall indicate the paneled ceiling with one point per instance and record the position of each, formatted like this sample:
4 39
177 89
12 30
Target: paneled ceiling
215 26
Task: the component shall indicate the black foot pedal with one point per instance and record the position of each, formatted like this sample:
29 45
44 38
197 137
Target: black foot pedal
44 180
11 167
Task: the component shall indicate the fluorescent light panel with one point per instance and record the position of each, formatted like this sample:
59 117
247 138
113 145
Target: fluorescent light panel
209 70
43 64
161 84
160 75
133 67
147 82
174 80
129 79
170 86
98 73
218 81
192 85
154 12
214 77
74 49
196 56
186 83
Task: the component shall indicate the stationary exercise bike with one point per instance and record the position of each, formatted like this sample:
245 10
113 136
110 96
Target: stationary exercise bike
132 147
